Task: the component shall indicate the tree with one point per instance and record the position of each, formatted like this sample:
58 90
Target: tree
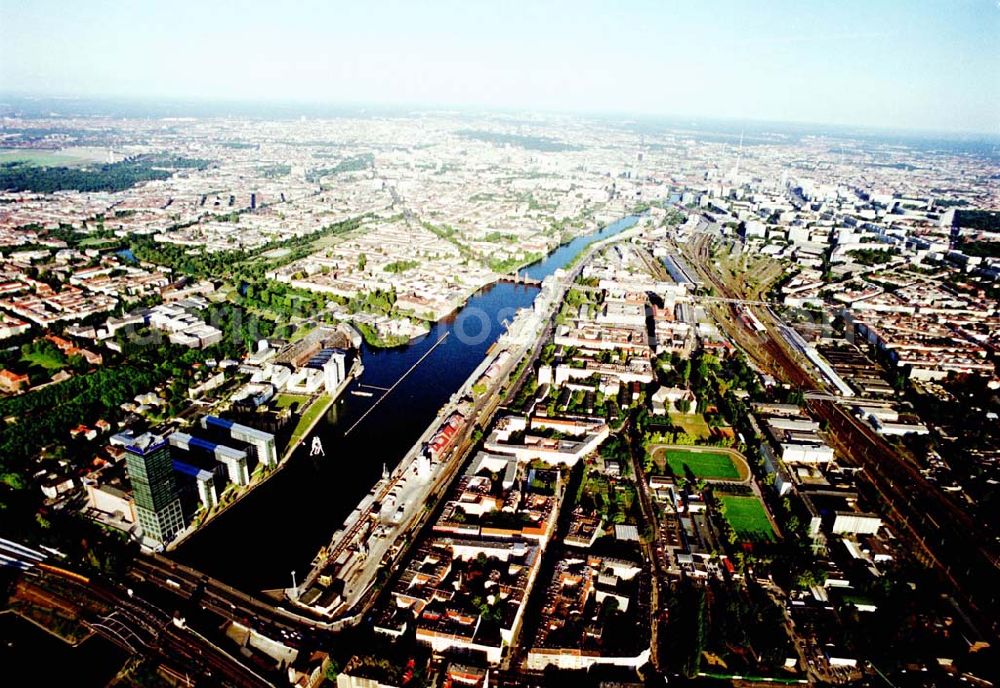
22 176
78 363
331 670
806 579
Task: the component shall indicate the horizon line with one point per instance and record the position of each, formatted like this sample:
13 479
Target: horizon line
585 113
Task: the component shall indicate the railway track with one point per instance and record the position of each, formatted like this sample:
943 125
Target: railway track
940 534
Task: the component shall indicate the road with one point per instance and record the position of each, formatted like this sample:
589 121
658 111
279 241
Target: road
300 626
654 549
215 596
361 591
811 658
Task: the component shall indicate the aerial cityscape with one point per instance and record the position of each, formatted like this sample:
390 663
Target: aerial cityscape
457 371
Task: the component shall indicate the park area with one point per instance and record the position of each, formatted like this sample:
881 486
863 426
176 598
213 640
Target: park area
702 463
615 501
296 402
48 158
310 416
50 359
692 424
747 516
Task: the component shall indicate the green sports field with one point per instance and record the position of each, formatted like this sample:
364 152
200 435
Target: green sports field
709 465
747 517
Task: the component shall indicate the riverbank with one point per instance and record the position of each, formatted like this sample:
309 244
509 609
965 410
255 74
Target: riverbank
310 417
257 478
316 410
360 549
518 273
368 542
324 490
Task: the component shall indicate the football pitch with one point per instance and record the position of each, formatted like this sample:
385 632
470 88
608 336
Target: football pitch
709 465
747 517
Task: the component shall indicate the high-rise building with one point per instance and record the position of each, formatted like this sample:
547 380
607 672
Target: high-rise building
154 488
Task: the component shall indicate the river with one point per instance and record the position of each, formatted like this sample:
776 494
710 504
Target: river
28 651
280 526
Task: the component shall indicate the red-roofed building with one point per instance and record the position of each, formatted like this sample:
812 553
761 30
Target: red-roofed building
71 349
12 382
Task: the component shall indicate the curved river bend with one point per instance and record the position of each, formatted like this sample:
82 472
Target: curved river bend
280 526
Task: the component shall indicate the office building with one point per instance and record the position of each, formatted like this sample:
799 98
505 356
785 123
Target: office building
197 483
235 460
260 444
154 488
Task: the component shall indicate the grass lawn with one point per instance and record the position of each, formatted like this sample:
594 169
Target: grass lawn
332 240
624 501
301 331
286 400
594 492
91 242
43 360
693 424
43 158
703 464
311 414
276 253
747 517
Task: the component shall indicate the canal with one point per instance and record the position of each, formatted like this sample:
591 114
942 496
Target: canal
280 526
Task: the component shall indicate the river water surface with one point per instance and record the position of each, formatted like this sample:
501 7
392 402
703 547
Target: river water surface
281 525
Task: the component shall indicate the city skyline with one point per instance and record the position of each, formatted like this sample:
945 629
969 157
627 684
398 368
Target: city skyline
433 344
853 66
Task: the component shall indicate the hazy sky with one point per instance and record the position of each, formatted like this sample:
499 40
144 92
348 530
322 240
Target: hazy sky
915 64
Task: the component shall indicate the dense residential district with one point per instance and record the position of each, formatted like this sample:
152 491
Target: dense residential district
454 400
